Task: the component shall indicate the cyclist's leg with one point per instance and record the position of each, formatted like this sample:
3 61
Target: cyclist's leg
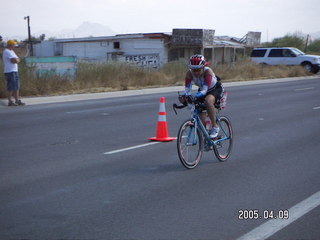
210 101
202 117
212 97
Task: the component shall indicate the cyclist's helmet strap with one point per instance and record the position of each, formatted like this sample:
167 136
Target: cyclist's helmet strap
197 61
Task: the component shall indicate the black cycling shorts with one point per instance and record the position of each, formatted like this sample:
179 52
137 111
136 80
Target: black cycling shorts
217 92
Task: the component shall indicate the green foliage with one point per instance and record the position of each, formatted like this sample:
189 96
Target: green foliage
314 46
296 40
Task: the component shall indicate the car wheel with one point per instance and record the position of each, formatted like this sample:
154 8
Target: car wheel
308 67
315 70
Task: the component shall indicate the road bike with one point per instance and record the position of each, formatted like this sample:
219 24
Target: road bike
193 137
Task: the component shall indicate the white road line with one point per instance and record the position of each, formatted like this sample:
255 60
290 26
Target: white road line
130 148
272 226
315 108
304 89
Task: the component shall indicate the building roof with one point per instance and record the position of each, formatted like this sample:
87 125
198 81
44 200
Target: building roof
227 41
221 41
116 37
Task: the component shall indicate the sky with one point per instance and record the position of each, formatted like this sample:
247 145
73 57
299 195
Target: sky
274 18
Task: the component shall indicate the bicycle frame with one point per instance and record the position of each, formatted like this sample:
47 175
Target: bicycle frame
198 123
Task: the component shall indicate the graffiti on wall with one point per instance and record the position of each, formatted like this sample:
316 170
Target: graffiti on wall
143 60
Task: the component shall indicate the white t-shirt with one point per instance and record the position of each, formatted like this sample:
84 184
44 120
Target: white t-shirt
8 65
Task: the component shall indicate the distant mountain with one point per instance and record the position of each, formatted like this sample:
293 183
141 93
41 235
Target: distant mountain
86 29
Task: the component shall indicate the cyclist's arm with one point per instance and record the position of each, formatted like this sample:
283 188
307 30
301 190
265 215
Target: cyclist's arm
206 85
214 79
188 83
210 80
188 87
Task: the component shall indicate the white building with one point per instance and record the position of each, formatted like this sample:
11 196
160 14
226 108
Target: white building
145 50
148 49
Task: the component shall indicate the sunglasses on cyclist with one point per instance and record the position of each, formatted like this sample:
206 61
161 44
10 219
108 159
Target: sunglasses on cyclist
196 70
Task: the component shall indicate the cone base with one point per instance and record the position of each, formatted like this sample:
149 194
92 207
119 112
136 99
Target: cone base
167 139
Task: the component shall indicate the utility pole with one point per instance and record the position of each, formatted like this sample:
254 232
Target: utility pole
29 35
306 47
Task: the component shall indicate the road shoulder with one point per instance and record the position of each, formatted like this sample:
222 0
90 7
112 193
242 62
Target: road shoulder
94 96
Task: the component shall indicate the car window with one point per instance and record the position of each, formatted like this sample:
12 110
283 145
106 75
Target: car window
258 53
276 53
288 53
297 52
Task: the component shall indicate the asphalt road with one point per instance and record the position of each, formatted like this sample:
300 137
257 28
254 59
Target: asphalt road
56 182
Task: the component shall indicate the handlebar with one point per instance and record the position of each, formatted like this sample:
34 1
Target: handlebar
175 106
198 103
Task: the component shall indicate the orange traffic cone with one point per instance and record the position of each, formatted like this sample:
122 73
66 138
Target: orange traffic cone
162 128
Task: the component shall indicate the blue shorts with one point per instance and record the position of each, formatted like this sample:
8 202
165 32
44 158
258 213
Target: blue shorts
13 81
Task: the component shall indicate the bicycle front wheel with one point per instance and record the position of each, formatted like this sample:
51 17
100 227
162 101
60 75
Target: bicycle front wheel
189 144
222 148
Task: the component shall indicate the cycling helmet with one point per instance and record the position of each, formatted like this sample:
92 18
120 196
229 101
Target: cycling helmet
197 62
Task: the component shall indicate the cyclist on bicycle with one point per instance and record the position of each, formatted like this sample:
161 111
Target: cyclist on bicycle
210 89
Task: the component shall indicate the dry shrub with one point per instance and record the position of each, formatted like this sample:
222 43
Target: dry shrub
120 76
246 70
174 71
238 72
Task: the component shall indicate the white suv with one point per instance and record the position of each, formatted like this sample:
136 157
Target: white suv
286 56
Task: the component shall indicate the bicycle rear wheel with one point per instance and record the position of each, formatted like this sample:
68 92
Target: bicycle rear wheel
222 149
189 144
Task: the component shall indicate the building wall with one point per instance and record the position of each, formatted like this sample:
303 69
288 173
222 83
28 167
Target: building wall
226 54
45 49
94 51
126 50
134 50
49 66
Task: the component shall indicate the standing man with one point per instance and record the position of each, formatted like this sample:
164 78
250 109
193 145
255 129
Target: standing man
11 60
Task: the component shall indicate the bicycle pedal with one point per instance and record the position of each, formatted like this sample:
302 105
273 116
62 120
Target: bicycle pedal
208 148
216 138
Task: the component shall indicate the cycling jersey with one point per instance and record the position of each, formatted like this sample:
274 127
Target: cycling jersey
205 82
